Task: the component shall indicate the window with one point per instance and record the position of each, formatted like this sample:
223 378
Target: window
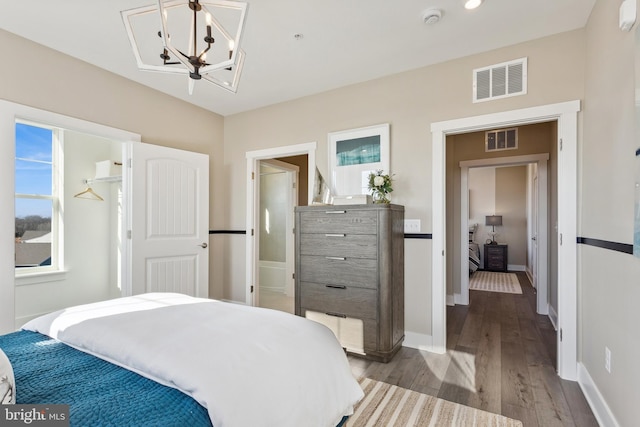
38 212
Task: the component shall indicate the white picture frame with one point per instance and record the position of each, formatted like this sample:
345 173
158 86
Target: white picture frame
353 154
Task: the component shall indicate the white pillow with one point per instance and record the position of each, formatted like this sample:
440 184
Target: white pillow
7 381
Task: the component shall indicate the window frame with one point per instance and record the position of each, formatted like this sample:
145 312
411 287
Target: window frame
57 208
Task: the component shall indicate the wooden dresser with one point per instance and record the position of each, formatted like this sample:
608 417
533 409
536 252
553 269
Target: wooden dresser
350 274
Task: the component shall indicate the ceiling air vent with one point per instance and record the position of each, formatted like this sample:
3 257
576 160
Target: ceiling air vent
502 139
500 80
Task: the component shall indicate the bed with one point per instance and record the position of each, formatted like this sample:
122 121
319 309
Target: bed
173 360
474 250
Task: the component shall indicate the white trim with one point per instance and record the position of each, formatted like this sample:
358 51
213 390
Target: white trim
566 114
451 299
417 341
252 194
553 317
457 298
516 267
598 405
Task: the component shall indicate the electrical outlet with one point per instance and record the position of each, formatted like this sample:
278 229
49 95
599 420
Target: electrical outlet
607 359
411 226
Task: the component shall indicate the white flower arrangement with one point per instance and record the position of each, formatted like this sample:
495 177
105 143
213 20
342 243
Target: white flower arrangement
380 186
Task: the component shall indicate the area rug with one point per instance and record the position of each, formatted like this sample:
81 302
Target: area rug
391 406
495 282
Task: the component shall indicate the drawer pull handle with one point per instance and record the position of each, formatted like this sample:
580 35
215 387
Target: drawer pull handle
336 315
336 212
336 258
335 235
336 286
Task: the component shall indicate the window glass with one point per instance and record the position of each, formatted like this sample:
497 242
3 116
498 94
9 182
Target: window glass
35 201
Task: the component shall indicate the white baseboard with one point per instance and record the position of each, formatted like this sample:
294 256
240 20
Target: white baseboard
529 275
516 267
553 316
451 300
598 405
418 341
458 300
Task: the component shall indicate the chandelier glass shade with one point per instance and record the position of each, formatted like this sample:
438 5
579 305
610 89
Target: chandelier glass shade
197 38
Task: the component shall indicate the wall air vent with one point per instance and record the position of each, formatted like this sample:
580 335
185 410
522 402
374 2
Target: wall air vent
500 80
503 139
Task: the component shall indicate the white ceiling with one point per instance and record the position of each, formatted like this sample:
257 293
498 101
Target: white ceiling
345 41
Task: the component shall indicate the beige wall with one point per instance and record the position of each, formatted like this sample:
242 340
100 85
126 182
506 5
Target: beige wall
67 86
501 191
511 203
609 284
410 102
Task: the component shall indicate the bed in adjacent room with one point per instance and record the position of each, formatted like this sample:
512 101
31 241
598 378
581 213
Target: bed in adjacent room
173 360
474 250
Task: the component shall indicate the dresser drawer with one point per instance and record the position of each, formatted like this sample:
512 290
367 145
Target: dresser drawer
370 327
337 220
340 271
359 303
340 244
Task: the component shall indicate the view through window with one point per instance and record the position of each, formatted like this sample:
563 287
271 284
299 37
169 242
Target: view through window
36 198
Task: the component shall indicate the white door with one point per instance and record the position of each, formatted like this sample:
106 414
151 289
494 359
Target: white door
169 220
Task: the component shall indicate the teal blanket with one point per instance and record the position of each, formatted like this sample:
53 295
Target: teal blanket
98 393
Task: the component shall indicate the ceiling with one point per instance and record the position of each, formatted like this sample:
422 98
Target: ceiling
344 41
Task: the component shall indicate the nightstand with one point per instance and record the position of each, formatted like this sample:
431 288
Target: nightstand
495 257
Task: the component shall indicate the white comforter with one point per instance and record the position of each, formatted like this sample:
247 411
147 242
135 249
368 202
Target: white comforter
248 366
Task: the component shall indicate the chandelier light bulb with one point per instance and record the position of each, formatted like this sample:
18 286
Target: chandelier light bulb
208 16
232 44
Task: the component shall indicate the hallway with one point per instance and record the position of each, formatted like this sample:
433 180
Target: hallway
500 358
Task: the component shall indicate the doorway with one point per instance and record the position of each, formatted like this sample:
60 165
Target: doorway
254 214
566 115
278 197
536 219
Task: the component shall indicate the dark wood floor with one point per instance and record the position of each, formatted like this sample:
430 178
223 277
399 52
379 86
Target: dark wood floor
501 358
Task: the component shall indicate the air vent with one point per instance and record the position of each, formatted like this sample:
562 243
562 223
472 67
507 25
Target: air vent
500 80
502 139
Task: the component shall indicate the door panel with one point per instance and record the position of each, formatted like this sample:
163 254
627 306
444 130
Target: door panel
169 220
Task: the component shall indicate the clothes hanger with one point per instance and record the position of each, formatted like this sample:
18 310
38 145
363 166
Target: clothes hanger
89 194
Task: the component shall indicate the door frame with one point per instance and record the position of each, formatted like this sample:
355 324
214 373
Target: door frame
542 306
253 201
292 172
566 114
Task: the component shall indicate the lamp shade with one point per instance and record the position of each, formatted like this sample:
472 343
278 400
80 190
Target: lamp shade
493 220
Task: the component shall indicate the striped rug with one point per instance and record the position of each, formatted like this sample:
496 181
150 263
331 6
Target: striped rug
495 282
386 405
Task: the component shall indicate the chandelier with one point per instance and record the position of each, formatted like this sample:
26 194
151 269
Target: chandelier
197 38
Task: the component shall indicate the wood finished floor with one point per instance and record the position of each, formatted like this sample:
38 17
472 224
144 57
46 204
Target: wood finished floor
501 358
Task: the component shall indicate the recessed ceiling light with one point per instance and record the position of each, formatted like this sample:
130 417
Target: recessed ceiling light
472 4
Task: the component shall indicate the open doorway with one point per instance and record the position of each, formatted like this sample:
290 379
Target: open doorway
278 180
566 116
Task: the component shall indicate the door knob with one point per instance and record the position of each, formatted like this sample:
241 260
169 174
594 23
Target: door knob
203 246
